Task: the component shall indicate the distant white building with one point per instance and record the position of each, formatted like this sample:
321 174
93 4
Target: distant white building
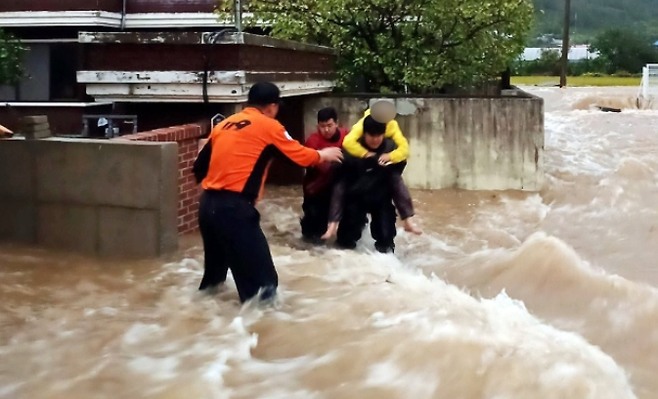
576 53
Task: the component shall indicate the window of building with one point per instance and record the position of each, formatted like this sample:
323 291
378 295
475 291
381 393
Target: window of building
50 74
63 66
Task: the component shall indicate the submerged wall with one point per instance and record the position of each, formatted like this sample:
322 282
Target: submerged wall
474 143
110 198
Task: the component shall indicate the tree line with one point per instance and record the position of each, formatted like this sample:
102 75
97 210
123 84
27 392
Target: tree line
424 46
590 17
622 52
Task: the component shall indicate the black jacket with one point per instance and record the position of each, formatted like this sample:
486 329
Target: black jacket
365 179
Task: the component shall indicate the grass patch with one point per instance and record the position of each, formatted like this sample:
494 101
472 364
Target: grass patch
576 81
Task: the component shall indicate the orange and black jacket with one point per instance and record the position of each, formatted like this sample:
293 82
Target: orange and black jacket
240 149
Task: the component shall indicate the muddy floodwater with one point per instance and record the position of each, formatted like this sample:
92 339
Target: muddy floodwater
508 295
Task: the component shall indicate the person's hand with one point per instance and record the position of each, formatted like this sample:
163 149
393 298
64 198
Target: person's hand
384 159
331 154
332 228
370 154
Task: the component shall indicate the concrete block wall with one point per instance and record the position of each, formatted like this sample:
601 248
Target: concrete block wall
187 137
97 197
494 143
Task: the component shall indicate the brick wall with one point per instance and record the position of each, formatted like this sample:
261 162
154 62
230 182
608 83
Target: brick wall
61 5
133 6
187 137
226 57
174 6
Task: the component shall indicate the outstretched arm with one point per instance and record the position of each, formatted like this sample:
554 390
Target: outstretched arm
303 156
293 149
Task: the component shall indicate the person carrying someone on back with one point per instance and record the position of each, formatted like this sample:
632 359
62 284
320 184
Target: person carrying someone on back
319 180
232 168
366 187
384 112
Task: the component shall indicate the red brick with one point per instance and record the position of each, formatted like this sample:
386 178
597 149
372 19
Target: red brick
61 5
154 57
196 131
189 228
191 131
170 6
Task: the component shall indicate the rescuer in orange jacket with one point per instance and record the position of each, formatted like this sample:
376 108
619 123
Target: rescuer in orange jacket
232 168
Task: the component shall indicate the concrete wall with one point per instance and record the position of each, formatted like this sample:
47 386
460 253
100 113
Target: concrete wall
470 143
96 197
188 192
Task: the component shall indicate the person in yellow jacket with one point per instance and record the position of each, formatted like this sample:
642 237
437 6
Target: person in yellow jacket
352 145
383 111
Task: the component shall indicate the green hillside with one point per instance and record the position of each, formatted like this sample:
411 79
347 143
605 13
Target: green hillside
592 16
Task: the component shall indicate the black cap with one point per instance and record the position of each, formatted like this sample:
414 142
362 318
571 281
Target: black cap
264 93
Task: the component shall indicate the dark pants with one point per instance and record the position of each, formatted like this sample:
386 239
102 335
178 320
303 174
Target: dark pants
316 216
382 226
232 238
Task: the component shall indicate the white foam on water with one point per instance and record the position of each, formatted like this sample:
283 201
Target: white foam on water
510 300
377 317
7 390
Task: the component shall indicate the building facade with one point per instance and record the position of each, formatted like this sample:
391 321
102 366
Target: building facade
163 62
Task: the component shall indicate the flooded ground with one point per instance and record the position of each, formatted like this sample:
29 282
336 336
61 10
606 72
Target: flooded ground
508 295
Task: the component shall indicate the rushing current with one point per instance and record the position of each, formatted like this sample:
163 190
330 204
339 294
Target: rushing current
507 295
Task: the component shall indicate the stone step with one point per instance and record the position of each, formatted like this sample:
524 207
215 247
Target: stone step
34 120
35 128
37 135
